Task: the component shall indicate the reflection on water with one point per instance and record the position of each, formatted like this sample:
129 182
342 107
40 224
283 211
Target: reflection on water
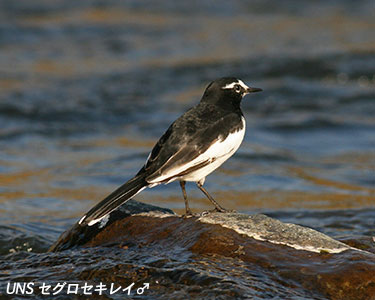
86 90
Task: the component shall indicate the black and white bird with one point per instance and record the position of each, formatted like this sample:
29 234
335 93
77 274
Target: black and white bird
195 145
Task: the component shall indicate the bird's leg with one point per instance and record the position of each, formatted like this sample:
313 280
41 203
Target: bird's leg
217 206
187 208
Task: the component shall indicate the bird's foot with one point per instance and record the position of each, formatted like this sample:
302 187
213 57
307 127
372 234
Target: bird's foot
190 214
217 209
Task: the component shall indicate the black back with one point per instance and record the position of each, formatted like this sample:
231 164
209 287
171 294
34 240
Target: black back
217 115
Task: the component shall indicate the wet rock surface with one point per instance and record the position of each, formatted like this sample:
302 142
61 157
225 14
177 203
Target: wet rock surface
81 235
226 255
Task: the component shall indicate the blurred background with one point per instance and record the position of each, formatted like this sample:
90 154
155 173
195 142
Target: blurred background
87 88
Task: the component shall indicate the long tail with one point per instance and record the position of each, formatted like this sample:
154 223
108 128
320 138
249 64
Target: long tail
114 200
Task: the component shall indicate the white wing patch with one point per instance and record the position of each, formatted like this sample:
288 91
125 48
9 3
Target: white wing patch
217 154
231 85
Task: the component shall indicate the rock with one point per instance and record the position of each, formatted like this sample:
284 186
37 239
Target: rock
79 235
263 228
292 255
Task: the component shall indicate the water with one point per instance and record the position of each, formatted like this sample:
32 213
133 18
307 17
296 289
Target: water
87 88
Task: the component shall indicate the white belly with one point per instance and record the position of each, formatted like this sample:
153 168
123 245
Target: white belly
217 153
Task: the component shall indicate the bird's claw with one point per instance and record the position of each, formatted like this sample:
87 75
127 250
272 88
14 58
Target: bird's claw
190 214
216 209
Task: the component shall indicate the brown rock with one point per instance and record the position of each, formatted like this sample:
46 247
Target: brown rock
293 256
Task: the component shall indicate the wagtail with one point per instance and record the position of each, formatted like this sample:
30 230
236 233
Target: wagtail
195 145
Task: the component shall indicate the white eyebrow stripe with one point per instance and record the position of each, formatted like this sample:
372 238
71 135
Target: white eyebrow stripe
231 85
242 84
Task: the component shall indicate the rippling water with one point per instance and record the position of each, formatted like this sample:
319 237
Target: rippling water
87 88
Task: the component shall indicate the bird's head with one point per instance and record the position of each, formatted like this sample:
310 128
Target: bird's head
227 90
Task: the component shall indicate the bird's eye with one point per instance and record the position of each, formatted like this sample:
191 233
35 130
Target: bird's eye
237 88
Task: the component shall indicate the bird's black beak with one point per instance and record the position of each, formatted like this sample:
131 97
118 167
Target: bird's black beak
252 90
